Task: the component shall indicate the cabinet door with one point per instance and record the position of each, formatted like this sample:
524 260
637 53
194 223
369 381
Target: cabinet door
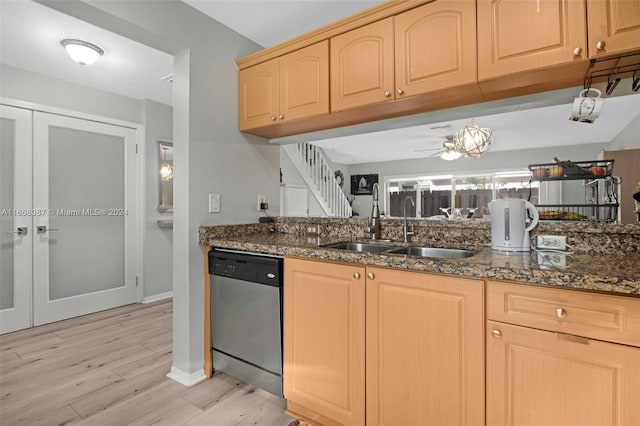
362 66
324 339
425 353
541 378
435 47
304 82
523 35
259 92
614 26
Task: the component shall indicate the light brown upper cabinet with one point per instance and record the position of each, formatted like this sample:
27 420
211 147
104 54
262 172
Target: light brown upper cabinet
291 87
362 66
614 26
525 35
435 47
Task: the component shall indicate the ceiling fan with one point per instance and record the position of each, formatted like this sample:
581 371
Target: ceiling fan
447 152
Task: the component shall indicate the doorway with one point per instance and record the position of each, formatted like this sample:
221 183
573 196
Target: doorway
69 240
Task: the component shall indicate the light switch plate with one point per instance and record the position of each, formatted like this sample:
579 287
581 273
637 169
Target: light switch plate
214 203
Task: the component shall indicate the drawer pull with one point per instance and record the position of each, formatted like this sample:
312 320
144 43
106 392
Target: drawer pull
370 276
356 275
496 333
561 313
572 338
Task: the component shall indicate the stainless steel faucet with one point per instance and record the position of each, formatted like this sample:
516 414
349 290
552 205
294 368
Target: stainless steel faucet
405 229
374 221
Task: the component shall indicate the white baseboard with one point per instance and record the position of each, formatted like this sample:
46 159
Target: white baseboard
185 378
157 297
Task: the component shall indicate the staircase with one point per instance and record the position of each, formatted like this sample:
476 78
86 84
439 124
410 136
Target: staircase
312 165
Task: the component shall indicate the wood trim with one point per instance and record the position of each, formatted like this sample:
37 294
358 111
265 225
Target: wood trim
208 361
376 13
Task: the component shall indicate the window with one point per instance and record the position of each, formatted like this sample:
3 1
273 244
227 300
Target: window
471 194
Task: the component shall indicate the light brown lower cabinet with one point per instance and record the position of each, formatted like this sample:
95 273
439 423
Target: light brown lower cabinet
537 377
424 346
324 345
561 357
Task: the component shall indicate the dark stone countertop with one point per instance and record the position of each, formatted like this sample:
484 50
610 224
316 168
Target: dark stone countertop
612 273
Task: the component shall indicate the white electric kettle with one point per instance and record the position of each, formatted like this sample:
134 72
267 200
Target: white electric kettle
509 230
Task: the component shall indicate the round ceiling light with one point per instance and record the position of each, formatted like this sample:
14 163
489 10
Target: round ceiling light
81 51
472 141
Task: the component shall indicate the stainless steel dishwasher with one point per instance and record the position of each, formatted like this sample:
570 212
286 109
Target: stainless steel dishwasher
246 316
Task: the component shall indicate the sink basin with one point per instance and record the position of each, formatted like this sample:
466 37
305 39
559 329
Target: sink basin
441 253
361 247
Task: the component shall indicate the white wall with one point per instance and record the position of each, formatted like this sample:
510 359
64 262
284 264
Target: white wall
158 243
491 161
628 138
32 87
291 176
210 153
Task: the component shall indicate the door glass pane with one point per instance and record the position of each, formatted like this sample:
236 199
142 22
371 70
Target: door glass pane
87 216
7 147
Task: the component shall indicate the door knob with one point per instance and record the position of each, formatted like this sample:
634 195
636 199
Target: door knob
400 91
43 228
561 312
577 51
281 116
356 275
273 118
387 93
370 275
21 230
496 333
601 44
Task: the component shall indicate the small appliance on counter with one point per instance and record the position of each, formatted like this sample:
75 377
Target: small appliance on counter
509 230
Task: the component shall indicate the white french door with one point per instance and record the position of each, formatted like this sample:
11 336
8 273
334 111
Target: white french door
84 249
16 224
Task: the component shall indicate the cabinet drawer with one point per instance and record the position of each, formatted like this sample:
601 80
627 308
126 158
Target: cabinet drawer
597 316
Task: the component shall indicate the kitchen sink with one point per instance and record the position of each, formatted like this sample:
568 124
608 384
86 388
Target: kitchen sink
441 253
362 247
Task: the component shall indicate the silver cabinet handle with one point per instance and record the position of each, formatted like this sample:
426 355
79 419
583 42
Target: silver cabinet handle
356 275
273 118
561 312
577 51
601 44
400 91
371 276
281 116
41 229
387 93
496 333
20 230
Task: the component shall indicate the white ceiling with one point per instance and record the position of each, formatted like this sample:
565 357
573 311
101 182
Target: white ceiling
269 22
30 35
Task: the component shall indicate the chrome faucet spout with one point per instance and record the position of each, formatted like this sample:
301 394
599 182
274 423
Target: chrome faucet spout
405 230
374 221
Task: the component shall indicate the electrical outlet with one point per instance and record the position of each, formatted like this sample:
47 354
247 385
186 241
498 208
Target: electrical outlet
262 199
552 260
551 242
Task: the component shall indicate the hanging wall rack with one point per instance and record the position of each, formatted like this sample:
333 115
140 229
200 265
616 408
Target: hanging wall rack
612 70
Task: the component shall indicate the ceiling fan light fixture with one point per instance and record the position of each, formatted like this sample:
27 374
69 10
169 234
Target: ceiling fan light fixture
472 141
450 155
81 51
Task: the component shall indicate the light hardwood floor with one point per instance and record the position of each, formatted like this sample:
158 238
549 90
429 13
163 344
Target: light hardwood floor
109 368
